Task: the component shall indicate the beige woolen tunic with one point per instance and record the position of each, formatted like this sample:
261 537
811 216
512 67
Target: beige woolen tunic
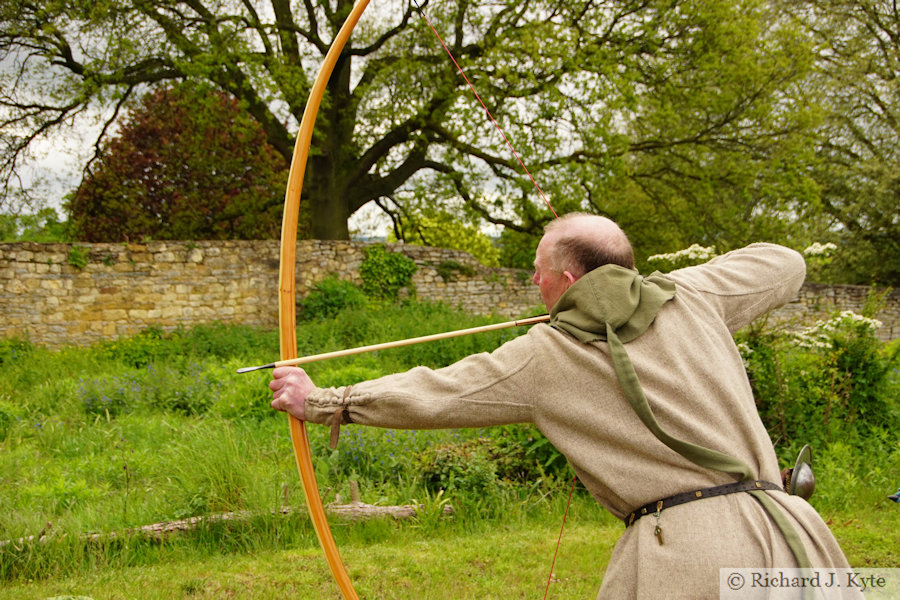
695 382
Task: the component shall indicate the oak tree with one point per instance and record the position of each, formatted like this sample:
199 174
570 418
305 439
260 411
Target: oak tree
654 113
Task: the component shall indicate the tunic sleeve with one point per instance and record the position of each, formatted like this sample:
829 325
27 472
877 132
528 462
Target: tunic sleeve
744 284
478 391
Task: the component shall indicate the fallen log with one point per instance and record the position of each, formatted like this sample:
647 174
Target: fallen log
354 511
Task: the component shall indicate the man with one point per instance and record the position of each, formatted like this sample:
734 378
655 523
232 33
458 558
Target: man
637 380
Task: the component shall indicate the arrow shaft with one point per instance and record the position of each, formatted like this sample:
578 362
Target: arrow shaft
398 343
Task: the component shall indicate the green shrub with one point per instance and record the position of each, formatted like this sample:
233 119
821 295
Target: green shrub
459 468
139 350
517 455
160 456
220 340
206 341
109 395
450 269
329 297
517 249
188 393
79 256
527 456
7 418
833 381
385 273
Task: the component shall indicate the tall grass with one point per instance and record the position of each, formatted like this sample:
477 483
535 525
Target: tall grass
96 442
158 427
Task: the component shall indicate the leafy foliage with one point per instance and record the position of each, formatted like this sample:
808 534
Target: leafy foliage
329 297
442 230
149 389
6 419
78 257
385 273
517 455
535 458
187 163
14 349
831 382
138 351
857 162
43 226
192 438
466 468
517 249
652 113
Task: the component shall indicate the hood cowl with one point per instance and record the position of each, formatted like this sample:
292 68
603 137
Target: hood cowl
611 296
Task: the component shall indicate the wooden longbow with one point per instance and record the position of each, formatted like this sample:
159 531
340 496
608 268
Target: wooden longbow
287 279
287 317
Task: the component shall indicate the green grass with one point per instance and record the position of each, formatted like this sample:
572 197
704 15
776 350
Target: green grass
159 427
455 561
458 560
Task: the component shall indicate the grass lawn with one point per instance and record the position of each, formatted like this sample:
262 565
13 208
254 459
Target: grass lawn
92 442
449 564
452 561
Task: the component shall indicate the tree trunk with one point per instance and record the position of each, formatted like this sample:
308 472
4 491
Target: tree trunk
327 208
332 156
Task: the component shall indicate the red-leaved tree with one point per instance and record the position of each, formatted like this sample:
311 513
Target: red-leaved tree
188 163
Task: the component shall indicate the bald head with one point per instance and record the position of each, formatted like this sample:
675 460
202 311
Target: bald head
581 242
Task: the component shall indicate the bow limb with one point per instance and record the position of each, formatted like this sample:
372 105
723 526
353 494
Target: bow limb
286 301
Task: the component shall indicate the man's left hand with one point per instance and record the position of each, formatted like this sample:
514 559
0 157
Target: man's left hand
290 387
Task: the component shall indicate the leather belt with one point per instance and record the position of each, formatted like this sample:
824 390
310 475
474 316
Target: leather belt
657 506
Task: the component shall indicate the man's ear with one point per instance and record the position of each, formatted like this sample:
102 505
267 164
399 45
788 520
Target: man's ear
569 277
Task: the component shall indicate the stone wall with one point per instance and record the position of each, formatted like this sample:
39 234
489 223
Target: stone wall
55 294
819 301
118 289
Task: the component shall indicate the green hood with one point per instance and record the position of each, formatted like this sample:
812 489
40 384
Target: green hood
611 295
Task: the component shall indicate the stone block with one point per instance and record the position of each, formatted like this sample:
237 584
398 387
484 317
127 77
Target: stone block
114 314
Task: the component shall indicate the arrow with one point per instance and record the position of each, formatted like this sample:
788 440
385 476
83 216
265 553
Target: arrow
396 344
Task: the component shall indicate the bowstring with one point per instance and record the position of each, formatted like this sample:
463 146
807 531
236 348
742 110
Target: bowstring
546 201
559 539
486 110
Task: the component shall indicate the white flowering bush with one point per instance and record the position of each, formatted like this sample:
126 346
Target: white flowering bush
822 334
818 258
817 250
832 381
746 352
688 257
